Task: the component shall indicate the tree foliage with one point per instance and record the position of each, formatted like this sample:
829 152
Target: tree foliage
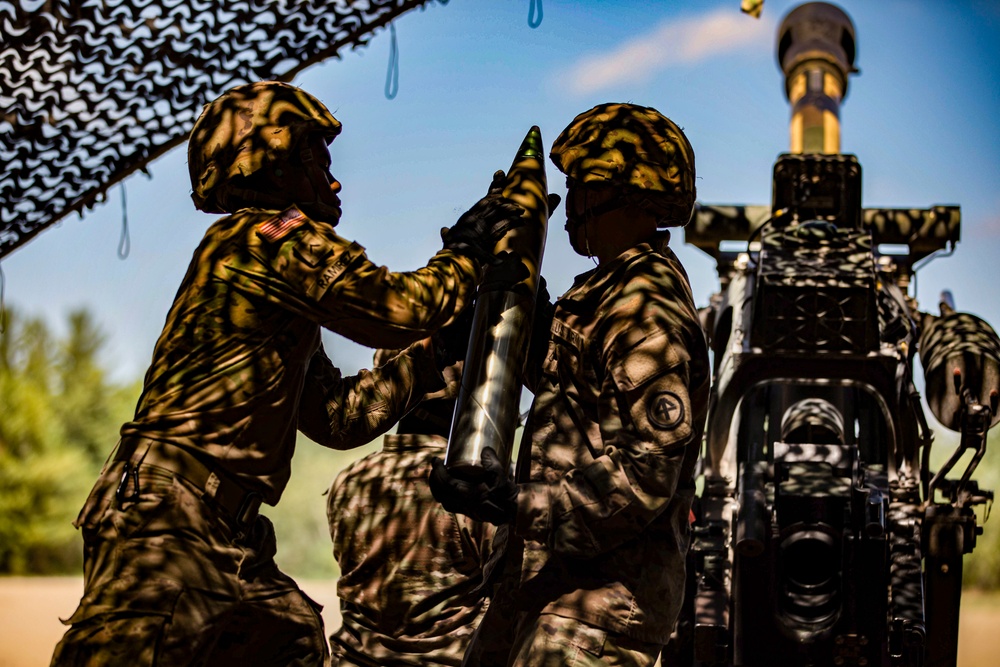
982 567
61 416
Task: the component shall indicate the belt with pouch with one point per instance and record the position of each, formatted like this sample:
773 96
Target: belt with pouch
216 486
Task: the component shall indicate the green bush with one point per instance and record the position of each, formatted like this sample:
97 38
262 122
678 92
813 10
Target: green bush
60 418
304 547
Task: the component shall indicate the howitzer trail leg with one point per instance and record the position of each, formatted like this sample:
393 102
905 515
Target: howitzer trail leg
713 541
947 531
906 606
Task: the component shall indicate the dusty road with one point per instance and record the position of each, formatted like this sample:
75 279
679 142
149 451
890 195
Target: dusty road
30 609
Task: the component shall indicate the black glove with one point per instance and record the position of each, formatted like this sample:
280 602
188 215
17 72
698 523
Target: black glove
478 230
493 499
543 301
451 343
553 200
506 272
541 326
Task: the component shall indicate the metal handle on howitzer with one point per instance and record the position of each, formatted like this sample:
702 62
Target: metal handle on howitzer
751 519
487 409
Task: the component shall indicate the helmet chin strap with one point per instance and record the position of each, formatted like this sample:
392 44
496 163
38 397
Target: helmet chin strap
234 198
591 213
574 223
320 211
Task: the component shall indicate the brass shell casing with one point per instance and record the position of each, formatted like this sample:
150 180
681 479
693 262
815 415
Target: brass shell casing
486 413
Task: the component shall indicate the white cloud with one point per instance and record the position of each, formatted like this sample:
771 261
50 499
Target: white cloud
671 43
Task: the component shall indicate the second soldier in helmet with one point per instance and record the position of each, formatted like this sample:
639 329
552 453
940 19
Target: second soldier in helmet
598 514
410 583
179 566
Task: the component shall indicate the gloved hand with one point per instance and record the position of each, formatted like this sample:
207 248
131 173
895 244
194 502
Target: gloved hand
553 200
541 326
493 499
451 342
478 230
506 272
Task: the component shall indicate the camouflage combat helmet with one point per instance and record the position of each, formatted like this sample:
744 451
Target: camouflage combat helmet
634 147
247 127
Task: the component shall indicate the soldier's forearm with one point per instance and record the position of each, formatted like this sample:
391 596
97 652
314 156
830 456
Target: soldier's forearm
349 412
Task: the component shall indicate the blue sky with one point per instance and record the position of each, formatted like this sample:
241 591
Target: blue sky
922 117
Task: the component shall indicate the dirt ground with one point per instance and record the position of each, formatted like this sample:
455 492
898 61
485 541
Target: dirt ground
30 609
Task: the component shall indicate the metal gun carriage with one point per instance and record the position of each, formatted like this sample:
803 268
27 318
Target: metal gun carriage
822 537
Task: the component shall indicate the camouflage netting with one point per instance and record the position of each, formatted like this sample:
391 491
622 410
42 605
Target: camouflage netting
92 90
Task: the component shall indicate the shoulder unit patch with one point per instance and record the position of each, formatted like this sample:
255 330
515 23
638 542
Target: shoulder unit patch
666 411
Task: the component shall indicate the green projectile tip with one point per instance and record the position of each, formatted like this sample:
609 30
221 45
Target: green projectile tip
532 144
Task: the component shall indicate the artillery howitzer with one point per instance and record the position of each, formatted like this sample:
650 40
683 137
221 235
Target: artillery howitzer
821 535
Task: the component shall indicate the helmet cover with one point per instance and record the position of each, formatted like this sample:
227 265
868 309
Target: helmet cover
636 148
247 127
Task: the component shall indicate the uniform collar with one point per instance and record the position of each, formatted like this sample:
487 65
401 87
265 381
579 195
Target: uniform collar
596 279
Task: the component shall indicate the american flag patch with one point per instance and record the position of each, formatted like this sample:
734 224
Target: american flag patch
279 227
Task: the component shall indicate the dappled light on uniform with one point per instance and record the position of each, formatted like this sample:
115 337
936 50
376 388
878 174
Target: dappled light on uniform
596 545
176 557
411 572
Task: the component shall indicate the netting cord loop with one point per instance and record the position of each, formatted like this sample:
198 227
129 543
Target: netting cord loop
124 242
535 14
392 75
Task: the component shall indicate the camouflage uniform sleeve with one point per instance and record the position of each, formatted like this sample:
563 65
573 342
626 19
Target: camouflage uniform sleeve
306 268
347 412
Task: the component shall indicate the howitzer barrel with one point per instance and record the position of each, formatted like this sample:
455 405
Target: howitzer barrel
816 49
487 409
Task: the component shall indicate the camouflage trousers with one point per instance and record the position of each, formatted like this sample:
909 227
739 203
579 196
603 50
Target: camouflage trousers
531 639
168 581
357 643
